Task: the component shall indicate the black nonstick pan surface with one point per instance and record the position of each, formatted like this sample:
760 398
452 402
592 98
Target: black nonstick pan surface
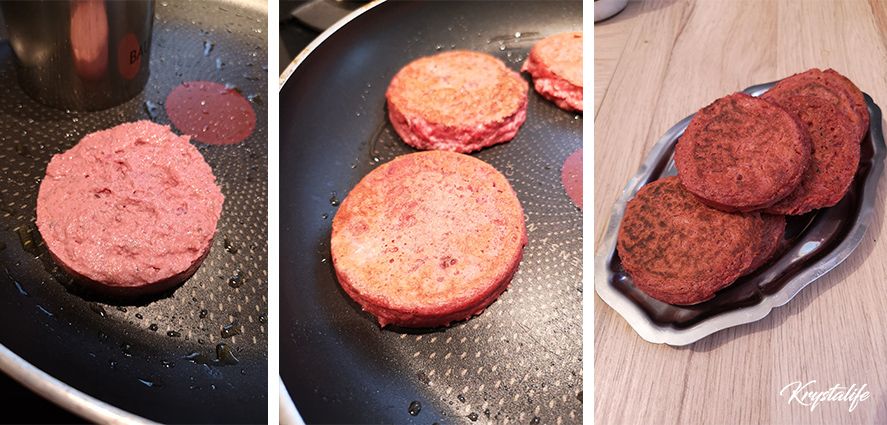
159 359
518 362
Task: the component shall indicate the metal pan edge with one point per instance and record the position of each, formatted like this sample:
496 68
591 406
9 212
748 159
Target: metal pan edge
62 394
657 334
291 68
289 413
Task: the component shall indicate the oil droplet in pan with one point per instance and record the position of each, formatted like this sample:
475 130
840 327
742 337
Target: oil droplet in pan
152 109
225 355
230 330
415 408
230 247
237 280
98 309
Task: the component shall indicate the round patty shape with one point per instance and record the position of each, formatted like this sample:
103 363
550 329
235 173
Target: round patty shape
771 235
835 151
680 251
571 177
853 94
841 90
427 239
211 112
556 66
742 153
130 210
458 101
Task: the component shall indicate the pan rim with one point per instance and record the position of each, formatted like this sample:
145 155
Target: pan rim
289 413
291 68
63 394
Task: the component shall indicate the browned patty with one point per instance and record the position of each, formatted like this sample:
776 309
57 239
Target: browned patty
428 238
460 101
556 66
835 149
847 96
742 153
853 94
680 251
771 235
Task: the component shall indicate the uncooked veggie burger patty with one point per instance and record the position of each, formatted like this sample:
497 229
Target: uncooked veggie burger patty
680 251
427 239
130 210
458 101
742 153
556 66
836 149
841 90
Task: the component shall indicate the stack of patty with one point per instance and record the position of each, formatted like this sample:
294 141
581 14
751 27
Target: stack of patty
743 164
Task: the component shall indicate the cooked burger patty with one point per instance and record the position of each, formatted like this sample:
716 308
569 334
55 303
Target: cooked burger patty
680 251
771 235
458 101
427 239
742 153
130 210
556 66
835 149
843 92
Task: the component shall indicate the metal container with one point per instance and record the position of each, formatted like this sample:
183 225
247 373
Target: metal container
80 54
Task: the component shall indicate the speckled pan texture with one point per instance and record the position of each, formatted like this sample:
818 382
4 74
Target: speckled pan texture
147 358
813 244
518 362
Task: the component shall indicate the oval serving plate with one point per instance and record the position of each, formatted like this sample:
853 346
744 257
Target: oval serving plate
813 244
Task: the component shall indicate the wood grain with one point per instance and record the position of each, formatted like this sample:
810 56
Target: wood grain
656 63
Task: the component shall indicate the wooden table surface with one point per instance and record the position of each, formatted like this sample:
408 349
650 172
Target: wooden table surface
656 63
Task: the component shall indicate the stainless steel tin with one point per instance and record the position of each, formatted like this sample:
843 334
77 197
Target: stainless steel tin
80 54
815 243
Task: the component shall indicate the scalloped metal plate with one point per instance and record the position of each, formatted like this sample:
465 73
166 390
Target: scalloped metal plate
818 242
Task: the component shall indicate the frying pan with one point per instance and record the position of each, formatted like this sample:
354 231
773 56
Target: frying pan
155 360
521 360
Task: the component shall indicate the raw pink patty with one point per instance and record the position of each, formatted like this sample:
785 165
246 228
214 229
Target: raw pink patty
556 66
571 177
458 101
130 208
